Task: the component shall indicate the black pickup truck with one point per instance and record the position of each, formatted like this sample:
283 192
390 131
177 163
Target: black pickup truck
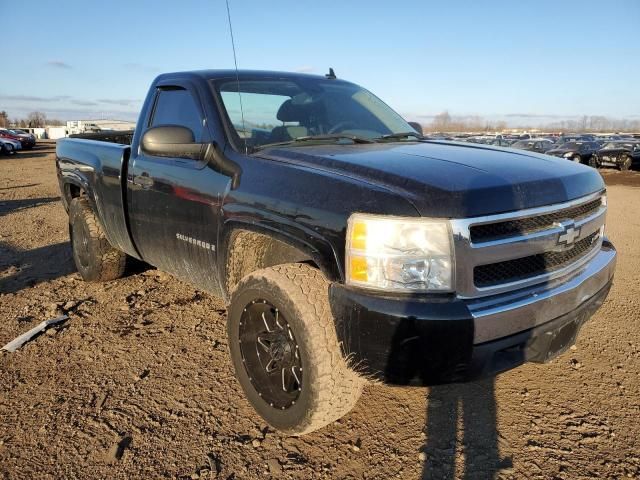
347 246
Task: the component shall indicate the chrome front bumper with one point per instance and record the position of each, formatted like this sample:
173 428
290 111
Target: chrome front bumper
502 315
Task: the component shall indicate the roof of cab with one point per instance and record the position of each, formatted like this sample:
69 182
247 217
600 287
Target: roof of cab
242 74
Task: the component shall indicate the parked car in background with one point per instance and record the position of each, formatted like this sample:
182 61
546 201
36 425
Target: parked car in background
622 154
4 133
580 152
538 145
25 141
502 142
28 140
578 137
8 146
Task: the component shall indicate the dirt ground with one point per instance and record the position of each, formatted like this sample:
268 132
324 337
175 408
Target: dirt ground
138 383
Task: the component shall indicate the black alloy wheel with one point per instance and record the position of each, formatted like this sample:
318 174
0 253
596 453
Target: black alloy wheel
270 354
285 350
626 162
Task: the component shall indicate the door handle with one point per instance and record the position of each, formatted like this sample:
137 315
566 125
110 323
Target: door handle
143 180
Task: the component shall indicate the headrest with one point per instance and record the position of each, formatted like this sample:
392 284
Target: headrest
289 112
300 108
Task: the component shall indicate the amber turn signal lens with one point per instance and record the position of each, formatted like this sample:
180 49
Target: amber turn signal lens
358 269
359 236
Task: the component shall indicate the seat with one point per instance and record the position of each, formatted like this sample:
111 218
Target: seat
290 112
285 133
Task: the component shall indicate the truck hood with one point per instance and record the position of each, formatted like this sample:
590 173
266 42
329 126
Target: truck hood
449 179
560 151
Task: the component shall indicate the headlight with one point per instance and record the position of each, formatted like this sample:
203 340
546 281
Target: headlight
568 155
399 254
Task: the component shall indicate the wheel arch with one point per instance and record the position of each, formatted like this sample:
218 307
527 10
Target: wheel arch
245 248
75 187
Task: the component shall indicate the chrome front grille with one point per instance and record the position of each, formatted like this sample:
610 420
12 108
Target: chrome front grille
531 266
505 252
494 231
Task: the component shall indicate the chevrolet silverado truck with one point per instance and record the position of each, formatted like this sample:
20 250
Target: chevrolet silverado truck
348 247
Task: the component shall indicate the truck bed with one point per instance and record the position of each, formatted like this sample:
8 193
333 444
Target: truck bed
123 137
99 168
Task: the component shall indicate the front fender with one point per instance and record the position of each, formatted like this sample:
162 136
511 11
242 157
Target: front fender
297 243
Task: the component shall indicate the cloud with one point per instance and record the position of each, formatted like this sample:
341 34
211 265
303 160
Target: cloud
26 98
55 98
59 64
304 69
124 102
65 107
70 113
83 103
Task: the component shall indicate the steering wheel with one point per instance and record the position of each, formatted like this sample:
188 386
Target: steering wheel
341 126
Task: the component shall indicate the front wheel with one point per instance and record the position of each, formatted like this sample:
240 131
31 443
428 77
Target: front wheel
626 163
593 161
285 351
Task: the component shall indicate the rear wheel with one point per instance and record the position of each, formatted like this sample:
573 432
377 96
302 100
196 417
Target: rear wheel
577 158
95 258
285 350
625 163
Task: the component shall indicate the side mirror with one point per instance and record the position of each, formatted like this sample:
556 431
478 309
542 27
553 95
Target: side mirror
178 142
172 141
417 127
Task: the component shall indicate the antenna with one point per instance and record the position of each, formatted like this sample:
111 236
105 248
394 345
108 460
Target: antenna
235 61
331 75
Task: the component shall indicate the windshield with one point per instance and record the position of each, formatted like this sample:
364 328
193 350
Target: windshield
282 110
615 145
522 144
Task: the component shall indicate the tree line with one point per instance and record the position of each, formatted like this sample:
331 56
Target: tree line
33 120
444 122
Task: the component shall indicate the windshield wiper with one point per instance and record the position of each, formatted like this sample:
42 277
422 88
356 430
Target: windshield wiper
392 136
314 138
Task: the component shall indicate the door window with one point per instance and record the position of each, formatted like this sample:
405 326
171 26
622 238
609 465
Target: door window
178 107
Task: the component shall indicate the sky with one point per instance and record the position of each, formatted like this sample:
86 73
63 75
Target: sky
515 60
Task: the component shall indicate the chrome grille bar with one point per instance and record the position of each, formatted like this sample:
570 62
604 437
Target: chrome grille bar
470 254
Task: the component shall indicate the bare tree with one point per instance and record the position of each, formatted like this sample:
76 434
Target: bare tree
37 119
442 122
4 119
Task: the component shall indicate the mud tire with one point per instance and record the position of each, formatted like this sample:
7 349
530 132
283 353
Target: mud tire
329 388
95 258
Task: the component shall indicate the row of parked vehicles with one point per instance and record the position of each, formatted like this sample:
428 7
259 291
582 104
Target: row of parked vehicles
621 151
14 140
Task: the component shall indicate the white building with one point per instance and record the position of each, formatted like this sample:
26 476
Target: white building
83 126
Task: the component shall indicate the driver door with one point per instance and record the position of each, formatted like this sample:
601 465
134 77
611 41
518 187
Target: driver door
174 202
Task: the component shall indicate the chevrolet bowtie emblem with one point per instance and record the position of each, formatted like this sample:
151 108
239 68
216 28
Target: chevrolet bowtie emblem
569 235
